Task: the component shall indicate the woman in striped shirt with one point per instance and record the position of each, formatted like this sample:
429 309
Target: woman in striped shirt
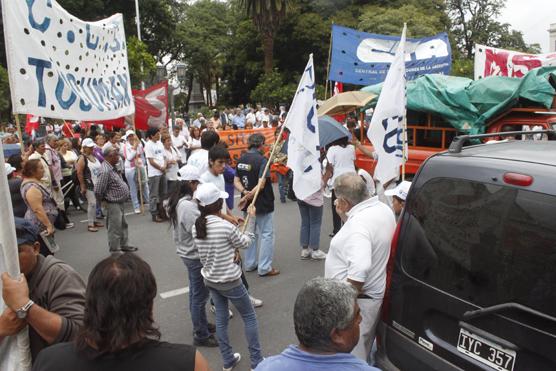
218 241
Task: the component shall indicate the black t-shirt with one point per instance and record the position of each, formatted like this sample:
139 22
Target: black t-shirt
152 355
249 169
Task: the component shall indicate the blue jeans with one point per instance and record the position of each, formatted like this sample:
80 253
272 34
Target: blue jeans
132 181
198 297
264 233
240 299
311 221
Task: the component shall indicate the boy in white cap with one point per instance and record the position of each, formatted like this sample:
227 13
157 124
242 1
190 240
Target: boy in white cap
398 194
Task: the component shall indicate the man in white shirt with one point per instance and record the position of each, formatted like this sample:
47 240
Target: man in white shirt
156 167
199 158
359 251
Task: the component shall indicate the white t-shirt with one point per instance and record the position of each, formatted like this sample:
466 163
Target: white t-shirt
154 150
342 159
172 169
218 181
360 250
178 142
200 160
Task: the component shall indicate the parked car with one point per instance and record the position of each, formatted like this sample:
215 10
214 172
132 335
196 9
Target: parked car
471 279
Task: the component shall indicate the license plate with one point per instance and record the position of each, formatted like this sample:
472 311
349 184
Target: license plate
485 351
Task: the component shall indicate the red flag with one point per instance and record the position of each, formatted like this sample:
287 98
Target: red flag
107 124
151 106
32 124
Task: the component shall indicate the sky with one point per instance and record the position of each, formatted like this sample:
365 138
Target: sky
532 17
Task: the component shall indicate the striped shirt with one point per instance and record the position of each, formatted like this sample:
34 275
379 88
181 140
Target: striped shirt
110 186
216 251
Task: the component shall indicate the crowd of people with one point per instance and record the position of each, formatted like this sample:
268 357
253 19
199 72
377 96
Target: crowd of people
185 176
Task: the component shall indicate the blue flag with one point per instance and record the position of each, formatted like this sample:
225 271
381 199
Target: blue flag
362 58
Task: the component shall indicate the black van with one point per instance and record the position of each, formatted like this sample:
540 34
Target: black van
472 274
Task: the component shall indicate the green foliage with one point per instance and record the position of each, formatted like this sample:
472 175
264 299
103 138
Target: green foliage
139 57
272 90
5 102
389 21
463 67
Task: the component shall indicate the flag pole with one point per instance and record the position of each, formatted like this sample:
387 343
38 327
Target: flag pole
266 169
404 149
19 134
328 65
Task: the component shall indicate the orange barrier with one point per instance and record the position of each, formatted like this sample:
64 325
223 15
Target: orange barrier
237 141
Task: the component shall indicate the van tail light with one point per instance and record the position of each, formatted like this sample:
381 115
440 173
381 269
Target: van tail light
390 269
518 179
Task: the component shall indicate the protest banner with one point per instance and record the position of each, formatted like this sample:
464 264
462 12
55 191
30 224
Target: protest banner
500 62
151 106
362 58
237 141
387 129
62 67
303 145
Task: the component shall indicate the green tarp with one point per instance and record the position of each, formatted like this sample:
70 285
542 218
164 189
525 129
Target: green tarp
468 105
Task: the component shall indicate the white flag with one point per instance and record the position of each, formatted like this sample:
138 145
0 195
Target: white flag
386 129
303 145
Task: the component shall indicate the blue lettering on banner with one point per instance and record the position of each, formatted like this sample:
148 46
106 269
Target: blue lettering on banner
40 65
43 26
65 104
90 44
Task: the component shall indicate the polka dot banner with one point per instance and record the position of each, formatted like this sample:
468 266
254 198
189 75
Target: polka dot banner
62 67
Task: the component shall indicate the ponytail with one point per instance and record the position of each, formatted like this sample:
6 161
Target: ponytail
201 222
183 189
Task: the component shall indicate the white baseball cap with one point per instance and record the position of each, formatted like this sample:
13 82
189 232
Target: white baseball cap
400 191
88 142
208 193
189 173
9 168
128 133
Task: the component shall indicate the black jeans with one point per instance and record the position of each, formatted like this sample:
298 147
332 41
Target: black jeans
71 193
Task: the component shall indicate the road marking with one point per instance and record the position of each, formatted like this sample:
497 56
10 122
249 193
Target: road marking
126 214
176 292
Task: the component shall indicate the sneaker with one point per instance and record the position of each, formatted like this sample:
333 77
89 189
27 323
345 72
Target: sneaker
318 255
237 358
213 310
255 302
209 342
137 211
70 225
305 253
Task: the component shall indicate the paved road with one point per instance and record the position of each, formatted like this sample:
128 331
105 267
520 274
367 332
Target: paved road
83 250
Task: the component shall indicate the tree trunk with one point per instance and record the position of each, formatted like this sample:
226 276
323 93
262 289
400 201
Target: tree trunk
217 82
268 50
189 91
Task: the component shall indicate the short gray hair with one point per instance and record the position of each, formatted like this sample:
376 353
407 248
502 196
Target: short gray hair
50 137
323 304
107 151
351 187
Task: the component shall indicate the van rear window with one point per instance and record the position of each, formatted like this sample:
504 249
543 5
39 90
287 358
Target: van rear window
486 244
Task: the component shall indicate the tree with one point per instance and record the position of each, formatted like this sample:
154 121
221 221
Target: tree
141 63
272 90
473 22
267 16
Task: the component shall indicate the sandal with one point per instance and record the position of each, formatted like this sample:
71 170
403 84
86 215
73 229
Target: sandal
92 229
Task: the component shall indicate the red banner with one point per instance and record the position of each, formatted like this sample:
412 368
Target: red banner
151 106
32 123
499 62
237 140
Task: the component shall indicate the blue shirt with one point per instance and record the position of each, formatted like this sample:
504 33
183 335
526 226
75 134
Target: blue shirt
294 359
239 121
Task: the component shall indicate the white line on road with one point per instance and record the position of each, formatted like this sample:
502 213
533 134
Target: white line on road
126 214
176 292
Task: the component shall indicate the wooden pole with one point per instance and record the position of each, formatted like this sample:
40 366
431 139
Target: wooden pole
139 172
266 169
19 134
328 66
